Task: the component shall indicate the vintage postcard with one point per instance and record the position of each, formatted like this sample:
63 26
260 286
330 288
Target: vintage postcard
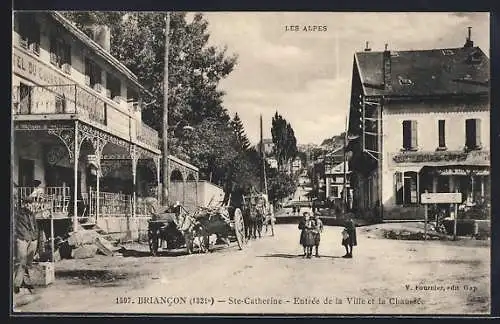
251 163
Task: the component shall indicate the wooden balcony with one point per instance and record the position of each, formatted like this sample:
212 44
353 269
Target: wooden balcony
148 135
72 100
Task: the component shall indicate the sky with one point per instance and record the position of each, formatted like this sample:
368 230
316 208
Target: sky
305 75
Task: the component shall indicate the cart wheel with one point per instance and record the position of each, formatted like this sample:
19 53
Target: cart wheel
153 242
239 228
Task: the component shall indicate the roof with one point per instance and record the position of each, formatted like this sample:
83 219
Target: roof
114 62
426 72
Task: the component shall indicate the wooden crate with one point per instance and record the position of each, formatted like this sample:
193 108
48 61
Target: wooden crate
42 274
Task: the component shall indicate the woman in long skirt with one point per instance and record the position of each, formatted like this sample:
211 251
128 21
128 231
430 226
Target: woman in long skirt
302 227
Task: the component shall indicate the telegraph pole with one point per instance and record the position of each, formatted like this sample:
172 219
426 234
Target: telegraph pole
166 171
344 189
261 149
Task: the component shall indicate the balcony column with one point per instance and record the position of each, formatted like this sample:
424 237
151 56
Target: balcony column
156 160
134 155
76 156
482 187
98 144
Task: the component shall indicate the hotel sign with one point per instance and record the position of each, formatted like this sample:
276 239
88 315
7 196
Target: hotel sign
441 198
34 70
47 78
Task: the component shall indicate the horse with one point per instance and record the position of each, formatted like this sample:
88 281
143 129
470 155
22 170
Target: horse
178 230
212 222
253 218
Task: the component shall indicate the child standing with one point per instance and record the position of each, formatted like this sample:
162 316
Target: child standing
349 237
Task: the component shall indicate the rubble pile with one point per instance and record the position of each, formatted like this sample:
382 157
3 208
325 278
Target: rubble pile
81 244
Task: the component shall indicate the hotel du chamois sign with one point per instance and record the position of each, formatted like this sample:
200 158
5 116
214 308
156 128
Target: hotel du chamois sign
43 75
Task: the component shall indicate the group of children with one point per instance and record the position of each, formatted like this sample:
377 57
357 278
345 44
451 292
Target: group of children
310 235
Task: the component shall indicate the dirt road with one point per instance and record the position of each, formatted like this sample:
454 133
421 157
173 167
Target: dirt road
271 276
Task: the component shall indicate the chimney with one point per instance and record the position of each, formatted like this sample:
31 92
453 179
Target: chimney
468 41
387 69
102 36
367 48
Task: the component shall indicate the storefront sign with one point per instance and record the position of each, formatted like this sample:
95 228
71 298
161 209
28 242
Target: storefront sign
34 70
441 198
46 76
415 157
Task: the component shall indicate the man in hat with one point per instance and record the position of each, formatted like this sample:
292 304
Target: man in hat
26 243
37 192
317 230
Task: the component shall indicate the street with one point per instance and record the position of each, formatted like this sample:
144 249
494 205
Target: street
271 276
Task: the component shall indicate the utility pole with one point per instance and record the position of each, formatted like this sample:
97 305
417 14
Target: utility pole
344 189
166 171
261 149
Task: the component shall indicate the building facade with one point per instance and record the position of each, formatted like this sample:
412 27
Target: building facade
419 122
77 125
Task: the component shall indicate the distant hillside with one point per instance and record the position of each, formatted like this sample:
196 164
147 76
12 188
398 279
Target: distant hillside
334 142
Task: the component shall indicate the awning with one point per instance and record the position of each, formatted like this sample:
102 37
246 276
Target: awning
461 171
408 168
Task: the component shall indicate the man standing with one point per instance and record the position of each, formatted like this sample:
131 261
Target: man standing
317 229
350 241
26 242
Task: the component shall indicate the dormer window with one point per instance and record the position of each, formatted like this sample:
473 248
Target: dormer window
114 87
60 53
448 52
404 81
92 74
29 32
474 57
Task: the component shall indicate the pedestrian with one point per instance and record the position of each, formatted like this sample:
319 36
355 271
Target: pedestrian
26 243
309 236
302 228
38 191
349 237
317 230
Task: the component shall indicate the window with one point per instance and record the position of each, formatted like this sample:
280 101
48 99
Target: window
60 52
410 135
473 134
92 73
406 188
29 32
24 99
335 192
441 131
114 87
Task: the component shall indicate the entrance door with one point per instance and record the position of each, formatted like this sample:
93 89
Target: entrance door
26 172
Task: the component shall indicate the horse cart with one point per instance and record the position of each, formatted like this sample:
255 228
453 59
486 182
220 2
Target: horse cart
182 229
258 215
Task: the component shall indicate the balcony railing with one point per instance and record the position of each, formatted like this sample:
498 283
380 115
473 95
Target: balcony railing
75 99
59 99
54 199
148 135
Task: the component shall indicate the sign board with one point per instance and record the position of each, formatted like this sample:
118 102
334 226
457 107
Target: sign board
441 198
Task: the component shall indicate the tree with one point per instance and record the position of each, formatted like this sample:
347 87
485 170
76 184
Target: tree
239 130
285 143
195 69
280 185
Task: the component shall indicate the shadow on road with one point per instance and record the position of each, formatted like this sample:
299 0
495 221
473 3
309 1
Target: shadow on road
296 256
166 253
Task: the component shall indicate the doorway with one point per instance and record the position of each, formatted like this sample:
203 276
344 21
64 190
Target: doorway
26 172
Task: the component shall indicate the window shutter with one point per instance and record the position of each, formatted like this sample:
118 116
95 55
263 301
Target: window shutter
441 133
406 134
478 132
398 187
414 142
